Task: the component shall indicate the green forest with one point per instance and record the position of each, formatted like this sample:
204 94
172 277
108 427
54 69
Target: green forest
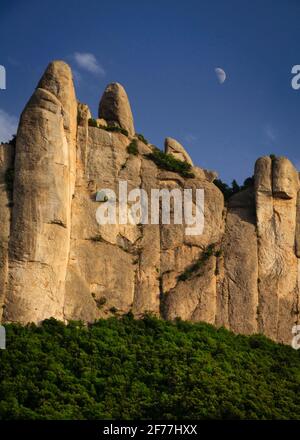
122 368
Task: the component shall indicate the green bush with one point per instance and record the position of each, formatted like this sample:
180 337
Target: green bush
141 138
96 238
133 148
101 302
13 140
122 368
169 163
116 130
229 191
248 182
93 123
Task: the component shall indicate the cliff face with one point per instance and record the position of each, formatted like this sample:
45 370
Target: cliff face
56 260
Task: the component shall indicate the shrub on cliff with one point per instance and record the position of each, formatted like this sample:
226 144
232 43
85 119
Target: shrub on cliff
194 268
113 128
229 191
169 163
133 148
92 122
141 138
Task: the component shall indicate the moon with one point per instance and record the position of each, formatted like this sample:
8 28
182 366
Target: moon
221 75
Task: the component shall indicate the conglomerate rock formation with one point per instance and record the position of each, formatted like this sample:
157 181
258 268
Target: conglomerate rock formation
242 272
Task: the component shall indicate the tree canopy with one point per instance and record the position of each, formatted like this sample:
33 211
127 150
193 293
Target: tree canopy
122 368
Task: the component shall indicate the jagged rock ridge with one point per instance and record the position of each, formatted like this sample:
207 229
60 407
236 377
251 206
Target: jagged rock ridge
56 260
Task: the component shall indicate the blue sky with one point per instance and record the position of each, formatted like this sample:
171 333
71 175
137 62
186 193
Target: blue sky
164 53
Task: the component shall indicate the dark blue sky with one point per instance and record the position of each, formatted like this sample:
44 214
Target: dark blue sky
164 53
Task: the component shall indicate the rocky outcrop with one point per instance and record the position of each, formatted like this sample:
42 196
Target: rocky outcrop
177 150
276 189
45 167
238 266
114 107
241 272
7 153
189 279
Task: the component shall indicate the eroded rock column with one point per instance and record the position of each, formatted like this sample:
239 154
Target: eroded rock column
276 188
45 169
6 187
238 266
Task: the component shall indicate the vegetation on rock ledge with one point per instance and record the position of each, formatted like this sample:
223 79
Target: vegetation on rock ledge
133 148
142 138
113 128
205 255
229 191
169 163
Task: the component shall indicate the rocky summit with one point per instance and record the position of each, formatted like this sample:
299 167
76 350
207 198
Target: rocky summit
57 261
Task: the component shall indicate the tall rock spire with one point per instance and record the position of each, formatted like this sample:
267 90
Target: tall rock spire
276 188
114 107
45 166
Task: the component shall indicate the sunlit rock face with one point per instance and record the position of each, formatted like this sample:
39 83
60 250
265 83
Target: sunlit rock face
115 108
56 260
